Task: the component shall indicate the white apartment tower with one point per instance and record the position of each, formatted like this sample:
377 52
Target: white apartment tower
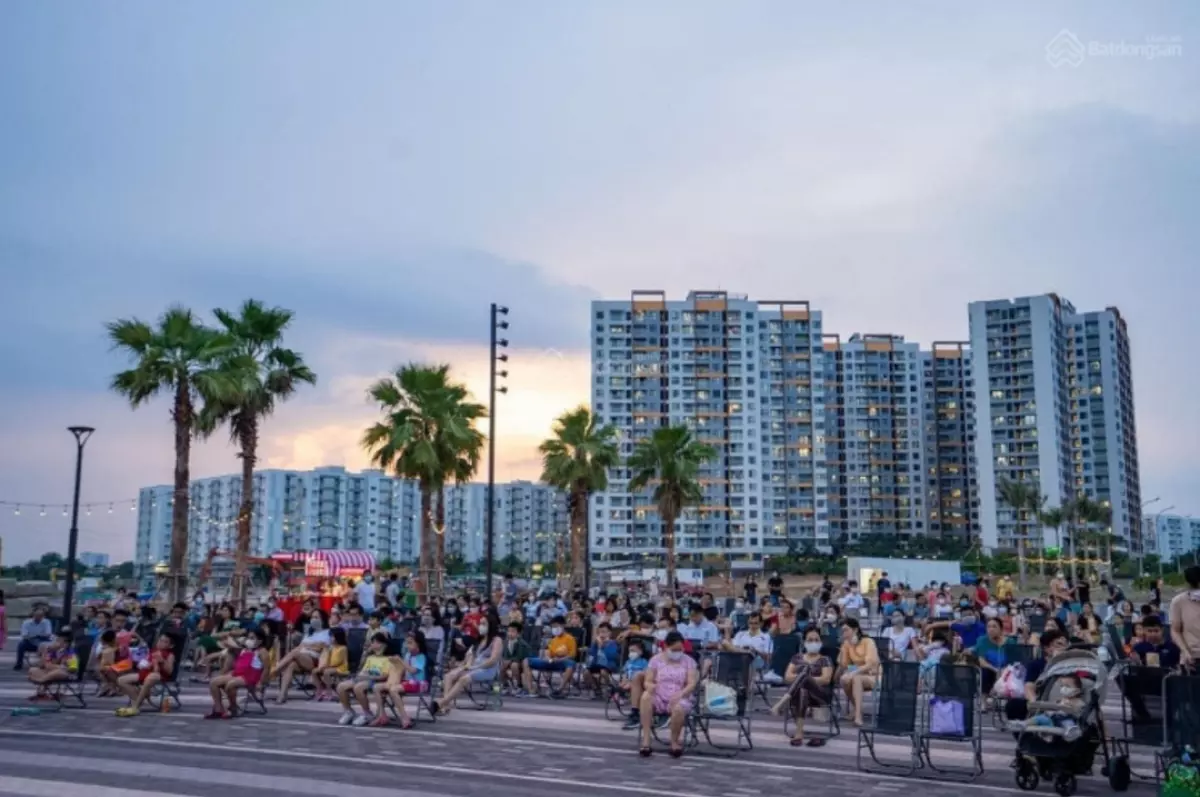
948 406
1054 403
1104 460
873 441
746 377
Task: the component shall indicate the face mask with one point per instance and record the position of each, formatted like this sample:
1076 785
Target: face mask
968 619
252 643
259 617
1069 691
831 618
812 647
315 625
1003 610
635 655
660 634
556 631
674 655
483 629
897 620
992 604
426 620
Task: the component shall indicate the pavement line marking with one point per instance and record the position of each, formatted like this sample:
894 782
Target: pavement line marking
29 787
754 765
199 775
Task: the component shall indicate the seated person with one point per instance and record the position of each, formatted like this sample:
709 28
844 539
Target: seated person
513 660
376 669
1155 649
36 631
991 652
859 659
899 634
559 656
482 665
333 665
809 676
114 662
670 681
248 670
603 658
59 663
305 656
1071 705
413 667
752 640
159 667
1053 643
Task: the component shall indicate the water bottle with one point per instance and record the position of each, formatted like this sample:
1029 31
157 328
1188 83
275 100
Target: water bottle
26 711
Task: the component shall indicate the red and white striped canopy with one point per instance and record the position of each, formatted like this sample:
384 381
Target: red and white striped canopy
334 561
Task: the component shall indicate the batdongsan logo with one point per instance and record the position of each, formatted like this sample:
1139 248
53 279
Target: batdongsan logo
1067 49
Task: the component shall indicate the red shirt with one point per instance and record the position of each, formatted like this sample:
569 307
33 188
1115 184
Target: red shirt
470 624
981 596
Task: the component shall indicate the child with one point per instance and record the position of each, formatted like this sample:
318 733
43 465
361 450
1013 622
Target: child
59 663
248 669
334 663
516 652
114 662
1070 706
414 680
159 667
376 668
603 657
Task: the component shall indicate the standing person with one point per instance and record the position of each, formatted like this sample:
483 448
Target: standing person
1185 619
392 590
750 589
364 591
775 587
883 585
1156 594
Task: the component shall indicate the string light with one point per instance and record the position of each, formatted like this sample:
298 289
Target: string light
88 508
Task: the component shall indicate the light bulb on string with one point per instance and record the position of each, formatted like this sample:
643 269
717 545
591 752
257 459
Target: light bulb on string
17 511
42 513
110 509
64 510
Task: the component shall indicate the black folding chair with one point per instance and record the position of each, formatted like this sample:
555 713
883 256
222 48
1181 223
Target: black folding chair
424 700
733 671
618 699
953 714
896 716
168 690
73 689
1143 721
783 648
1181 704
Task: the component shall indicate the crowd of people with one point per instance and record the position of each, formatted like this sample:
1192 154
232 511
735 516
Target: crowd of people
375 649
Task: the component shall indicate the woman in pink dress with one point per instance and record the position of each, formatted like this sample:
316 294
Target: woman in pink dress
670 681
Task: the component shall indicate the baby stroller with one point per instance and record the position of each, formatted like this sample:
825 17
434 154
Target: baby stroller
1056 742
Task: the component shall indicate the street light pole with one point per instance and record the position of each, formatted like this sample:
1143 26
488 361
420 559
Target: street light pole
1158 517
1141 560
497 324
82 433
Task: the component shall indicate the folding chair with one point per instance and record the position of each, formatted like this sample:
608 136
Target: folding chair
832 726
783 648
734 671
618 700
956 691
73 689
424 700
895 716
1144 721
168 690
1181 716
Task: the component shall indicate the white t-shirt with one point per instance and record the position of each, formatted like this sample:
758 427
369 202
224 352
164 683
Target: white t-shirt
760 642
365 592
316 638
853 601
900 638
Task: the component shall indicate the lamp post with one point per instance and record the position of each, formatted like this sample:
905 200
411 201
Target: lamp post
1157 517
497 324
1141 559
81 433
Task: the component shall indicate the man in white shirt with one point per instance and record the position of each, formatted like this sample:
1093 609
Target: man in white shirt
852 601
364 591
899 635
752 640
392 590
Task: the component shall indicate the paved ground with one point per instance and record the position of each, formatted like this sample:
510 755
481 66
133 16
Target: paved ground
534 748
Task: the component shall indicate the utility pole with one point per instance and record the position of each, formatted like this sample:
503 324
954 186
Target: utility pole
82 433
497 324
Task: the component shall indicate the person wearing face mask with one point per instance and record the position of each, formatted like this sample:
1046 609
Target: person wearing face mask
364 591
1053 642
558 657
516 656
670 680
248 669
305 657
481 666
899 636
1184 611
1070 705
859 658
809 677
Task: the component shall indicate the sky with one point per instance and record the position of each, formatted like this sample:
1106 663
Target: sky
387 169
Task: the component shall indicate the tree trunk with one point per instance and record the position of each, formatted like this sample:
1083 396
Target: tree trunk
1071 554
439 539
178 564
669 544
1021 561
425 566
248 434
579 504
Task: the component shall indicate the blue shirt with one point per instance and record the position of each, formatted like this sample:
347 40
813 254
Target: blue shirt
606 655
969 634
634 666
705 632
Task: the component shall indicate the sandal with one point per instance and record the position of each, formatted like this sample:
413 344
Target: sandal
815 743
407 724
798 742
379 722
676 752
645 752
216 715
127 711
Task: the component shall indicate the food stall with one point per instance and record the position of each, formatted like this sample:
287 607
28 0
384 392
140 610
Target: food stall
322 565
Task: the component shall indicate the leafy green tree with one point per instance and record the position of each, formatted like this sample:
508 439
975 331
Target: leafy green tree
181 357
670 461
576 460
263 373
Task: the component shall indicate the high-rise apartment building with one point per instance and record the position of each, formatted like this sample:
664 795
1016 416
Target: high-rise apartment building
531 520
873 441
948 406
1104 460
745 377
331 508
1054 404
1172 535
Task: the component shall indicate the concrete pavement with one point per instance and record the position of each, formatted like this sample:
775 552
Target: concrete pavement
527 748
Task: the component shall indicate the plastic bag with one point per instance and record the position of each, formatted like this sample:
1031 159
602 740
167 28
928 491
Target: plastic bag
720 700
946 718
1010 683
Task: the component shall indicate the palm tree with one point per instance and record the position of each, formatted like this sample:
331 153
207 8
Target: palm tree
181 356
459 446
1021 497
424 415
670 459
576 460
1054 517
265 374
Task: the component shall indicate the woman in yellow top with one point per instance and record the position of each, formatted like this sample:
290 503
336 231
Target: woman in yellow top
334 664
859 661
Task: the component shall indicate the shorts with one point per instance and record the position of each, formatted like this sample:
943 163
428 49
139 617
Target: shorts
208 644
546 665
414 687
124 665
